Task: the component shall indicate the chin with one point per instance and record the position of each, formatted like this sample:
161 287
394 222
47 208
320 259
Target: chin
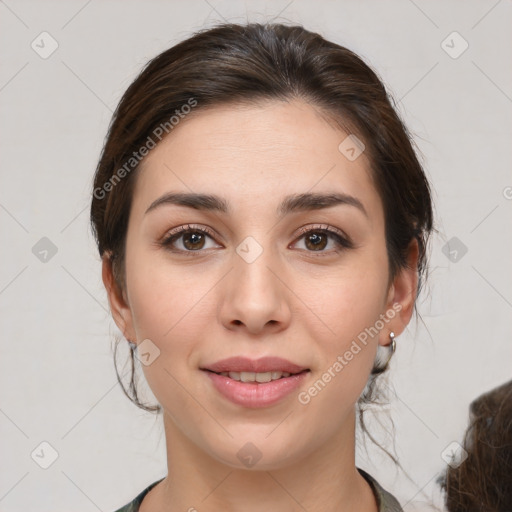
257 452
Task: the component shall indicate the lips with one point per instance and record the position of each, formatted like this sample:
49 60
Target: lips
263 365
256 389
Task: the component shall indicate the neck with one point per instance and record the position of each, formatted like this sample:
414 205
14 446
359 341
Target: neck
326 480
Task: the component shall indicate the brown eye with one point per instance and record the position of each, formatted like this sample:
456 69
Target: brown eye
316 239
191 239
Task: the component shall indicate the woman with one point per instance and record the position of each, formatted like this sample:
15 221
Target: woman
262 220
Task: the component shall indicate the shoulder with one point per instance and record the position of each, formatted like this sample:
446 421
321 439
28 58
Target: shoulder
385 500
134 505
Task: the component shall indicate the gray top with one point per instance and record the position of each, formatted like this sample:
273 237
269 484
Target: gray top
385 501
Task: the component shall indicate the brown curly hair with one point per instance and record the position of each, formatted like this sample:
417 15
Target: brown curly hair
483 481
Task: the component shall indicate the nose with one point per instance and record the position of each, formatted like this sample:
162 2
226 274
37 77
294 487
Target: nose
254 295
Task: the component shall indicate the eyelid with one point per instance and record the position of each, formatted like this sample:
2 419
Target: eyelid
322 227
188 227
302 231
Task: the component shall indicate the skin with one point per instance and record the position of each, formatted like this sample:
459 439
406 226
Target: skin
289 302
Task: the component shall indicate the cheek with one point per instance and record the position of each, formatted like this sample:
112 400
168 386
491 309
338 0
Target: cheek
350 349
348 354
173 309
163 302
350 305
352 299
163 297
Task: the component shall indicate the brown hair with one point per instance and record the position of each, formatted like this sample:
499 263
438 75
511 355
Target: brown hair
483 481
233 63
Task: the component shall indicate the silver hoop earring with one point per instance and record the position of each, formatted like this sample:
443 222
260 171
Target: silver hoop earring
384 355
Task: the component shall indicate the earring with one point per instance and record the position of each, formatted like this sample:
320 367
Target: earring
384 355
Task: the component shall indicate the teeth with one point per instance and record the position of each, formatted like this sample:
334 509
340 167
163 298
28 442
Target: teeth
248 376
255 377
264 377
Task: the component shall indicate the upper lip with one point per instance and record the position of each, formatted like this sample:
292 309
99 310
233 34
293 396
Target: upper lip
262 365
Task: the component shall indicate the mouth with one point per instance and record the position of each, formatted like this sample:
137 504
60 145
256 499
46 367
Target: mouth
256 383
264 369
260 377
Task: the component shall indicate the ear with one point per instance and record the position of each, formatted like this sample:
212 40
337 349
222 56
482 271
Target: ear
119 307
402 295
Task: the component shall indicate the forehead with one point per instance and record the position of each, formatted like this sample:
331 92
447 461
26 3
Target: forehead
248 152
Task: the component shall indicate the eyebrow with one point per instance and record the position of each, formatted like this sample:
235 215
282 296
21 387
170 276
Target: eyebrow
292 203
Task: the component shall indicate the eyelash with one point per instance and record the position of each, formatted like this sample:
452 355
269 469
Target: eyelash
341 241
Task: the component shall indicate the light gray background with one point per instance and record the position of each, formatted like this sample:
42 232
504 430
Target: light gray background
56 373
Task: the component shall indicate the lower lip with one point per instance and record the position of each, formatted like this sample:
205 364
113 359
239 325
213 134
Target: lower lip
256 394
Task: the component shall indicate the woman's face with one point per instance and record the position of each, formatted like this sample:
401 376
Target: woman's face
255 286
